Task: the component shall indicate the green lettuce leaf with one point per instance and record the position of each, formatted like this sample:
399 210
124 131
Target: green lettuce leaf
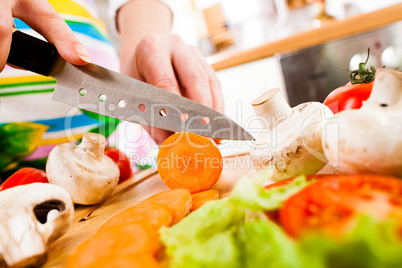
234 232
213 217
265 244
205 238
250 193
219 250
370 244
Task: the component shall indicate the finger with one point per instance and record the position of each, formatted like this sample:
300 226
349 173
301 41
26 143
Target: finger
214 84
42 17
6 29
154 65
192 75
157 134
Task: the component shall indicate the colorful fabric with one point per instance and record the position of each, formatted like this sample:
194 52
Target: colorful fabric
31 123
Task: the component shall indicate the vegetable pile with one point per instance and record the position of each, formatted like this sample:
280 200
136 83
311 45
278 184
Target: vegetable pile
318 221
36 212
368 140
347 231
131 238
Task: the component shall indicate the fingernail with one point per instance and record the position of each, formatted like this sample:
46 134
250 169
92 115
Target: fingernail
82 52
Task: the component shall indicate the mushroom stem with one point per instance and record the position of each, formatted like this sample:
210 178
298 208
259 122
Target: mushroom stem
272 108
93 143
387 88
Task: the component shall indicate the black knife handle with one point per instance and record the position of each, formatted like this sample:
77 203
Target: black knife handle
32 54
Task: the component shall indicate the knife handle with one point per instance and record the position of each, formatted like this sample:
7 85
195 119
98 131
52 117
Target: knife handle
32 54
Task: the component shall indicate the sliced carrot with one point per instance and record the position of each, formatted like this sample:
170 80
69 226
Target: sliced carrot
157 215
189 161
201 198
178 201
131 260
131 238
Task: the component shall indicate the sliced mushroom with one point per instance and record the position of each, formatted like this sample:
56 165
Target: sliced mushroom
369 139
84 171
291 144
31 217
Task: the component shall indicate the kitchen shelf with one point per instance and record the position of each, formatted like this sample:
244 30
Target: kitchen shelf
328 32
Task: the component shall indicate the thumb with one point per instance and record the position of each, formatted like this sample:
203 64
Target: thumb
6 29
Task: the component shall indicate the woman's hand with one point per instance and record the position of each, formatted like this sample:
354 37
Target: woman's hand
40 16
149 53
166 62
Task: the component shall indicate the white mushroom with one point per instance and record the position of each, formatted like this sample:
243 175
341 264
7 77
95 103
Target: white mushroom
84 171
369 139
291 144
31 217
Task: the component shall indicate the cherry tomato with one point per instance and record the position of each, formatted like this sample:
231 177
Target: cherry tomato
24 176
122 161
332 206
348 97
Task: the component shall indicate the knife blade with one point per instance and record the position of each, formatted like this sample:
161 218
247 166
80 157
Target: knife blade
103 91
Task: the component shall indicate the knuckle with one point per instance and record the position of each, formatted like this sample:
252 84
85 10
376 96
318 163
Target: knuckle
176 38
150 42
50 14
198 78
151 39
167 84
5 31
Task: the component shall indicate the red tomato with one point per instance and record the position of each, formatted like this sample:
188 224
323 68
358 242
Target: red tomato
332 206
24 176
122 161
273 215
348 97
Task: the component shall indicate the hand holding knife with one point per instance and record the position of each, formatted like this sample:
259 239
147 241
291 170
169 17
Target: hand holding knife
103 91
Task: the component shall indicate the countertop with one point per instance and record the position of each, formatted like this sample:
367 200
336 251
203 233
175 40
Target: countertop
313 37
127 194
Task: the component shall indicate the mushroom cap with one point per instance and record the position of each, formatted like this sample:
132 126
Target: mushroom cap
88 179
361 141
294 146
31 217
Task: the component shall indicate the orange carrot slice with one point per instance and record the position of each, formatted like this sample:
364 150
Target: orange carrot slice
189 161
132 261
157 215
178 201
201 198
131 238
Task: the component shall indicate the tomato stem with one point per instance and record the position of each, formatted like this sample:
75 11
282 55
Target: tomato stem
363 74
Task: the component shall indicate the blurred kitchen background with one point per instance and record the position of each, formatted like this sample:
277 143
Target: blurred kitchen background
301 46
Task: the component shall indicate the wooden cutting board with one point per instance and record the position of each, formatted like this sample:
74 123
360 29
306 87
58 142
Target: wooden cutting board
128 194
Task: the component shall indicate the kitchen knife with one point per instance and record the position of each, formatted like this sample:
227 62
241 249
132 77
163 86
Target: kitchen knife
96 89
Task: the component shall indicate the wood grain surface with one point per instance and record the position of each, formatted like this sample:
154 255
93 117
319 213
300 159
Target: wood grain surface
128 194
